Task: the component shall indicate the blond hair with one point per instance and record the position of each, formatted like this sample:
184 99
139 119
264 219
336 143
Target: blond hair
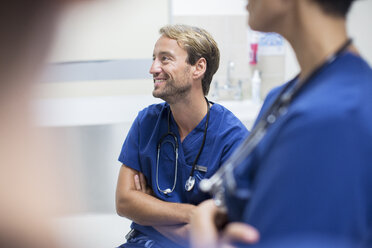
198 43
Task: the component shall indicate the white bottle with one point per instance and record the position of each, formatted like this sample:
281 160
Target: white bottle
256 87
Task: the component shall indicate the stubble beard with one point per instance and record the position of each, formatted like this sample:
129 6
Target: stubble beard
172 93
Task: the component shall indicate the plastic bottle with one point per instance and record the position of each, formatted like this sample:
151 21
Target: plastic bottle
254 38
256 87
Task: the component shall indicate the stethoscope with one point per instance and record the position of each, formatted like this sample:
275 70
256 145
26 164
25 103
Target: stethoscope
190 182
223 181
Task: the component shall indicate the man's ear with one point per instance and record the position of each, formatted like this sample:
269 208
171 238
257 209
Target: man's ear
200 68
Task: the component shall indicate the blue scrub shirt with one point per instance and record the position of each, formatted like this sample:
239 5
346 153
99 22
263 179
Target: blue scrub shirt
311 175
225 133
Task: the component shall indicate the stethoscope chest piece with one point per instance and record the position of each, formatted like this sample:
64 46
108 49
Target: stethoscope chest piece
190 183
167 191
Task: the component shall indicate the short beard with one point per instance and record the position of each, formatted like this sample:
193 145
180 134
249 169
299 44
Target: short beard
171 93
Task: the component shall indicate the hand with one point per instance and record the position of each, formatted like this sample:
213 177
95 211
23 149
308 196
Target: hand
205 224
141 184
179 234
238 232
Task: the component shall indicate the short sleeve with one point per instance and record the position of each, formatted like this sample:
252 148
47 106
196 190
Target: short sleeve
129 154
234 138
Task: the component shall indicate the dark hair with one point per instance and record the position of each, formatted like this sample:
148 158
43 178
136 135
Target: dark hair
335 7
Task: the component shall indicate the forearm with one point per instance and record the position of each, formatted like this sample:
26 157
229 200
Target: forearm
133 202
150 211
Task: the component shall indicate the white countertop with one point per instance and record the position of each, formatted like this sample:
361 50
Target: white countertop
114 109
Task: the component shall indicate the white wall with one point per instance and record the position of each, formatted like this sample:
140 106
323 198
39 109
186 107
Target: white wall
359 20
106 30
208 7
359 27
109 29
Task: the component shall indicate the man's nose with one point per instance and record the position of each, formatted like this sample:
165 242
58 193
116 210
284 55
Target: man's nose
155 67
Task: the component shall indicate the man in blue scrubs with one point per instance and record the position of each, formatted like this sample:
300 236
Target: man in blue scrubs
310 178
173 145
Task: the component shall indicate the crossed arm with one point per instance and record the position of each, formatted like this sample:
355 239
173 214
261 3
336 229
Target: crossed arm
134 201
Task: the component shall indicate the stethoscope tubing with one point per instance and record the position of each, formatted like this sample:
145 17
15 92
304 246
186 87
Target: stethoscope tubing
191 180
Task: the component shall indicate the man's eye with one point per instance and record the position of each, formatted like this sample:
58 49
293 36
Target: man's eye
164 58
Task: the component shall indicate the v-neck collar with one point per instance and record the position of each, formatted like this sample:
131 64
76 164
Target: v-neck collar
193 136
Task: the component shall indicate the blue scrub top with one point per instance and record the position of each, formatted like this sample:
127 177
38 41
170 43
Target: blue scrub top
311 175
225 133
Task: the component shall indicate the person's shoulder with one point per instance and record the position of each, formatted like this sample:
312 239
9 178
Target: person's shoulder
361 71
270 98
225 119
275 91
222 113
350 69
345 88
356 61
152 111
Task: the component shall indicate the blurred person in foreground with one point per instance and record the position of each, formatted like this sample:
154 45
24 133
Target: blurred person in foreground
27 158
307 183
